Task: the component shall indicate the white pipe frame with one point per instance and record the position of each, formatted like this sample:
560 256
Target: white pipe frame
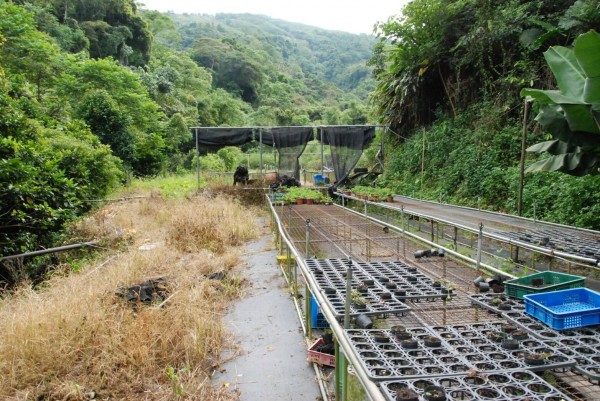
370 387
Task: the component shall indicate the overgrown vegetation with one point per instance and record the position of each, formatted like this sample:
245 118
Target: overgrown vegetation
75 337
449 76
88 100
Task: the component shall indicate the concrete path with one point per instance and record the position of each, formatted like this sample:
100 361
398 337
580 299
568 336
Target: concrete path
272 364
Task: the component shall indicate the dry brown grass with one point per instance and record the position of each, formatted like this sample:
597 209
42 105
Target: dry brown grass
74 337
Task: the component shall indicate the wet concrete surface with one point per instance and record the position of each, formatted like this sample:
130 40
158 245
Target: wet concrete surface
272 363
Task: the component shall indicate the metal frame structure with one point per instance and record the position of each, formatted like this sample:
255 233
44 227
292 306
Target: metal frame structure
357 234
260 128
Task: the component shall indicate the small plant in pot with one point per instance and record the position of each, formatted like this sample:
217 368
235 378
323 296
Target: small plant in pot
362 288
434 393
400 333
496 336
409 344
519 335
358 301
508 327
432 342
385 295
534 358
406 394
381 338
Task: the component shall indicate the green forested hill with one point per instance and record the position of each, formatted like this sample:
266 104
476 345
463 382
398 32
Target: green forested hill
449 80
95 92
336 57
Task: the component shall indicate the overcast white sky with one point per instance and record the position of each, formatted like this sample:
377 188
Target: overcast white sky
356 16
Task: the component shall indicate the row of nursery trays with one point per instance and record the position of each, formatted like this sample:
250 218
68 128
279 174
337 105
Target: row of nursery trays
557 240
469 362
581 344
465 362
378 288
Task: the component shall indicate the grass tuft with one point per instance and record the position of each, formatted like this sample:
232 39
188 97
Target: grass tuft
73 336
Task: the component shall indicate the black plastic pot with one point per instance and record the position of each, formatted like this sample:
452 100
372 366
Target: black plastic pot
434 393
363 322
519 335
400 333
432 342
381 338
406 394
409 344
422 254
510 344
534 359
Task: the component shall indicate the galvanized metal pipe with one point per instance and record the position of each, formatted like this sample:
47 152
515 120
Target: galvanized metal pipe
493 236
447 250
49 250
370 387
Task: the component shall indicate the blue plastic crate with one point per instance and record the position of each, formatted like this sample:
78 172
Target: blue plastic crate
317 319
318 179
565 309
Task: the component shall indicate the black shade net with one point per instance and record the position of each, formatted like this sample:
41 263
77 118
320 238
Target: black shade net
290 142
221 137
346 144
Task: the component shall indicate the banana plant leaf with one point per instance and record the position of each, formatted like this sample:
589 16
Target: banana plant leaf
572 113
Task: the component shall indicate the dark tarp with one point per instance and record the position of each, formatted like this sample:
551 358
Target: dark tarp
290 142
346 144
221 137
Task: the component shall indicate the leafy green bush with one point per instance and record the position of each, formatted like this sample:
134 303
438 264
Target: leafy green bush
294 193
472 160
232 156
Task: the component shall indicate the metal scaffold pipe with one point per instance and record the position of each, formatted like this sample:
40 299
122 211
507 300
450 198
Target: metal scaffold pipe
371 389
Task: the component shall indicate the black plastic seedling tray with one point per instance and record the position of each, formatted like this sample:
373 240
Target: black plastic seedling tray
389 285
581 344
461 349
517 385
557 240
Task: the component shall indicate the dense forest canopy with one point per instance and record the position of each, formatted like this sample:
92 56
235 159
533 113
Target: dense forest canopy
93 93
449 80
